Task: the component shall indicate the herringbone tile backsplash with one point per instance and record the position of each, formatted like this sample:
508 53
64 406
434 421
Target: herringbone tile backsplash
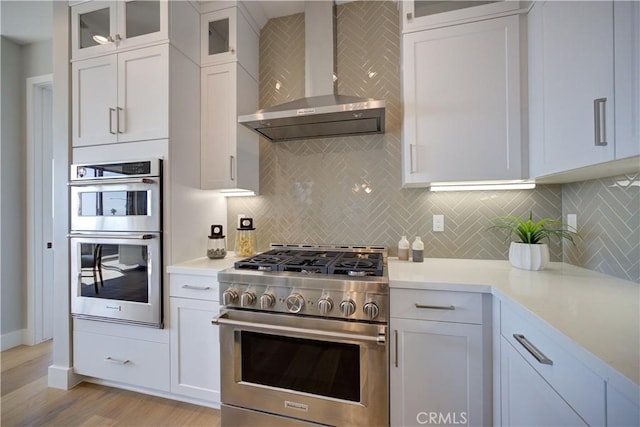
609 225
348 190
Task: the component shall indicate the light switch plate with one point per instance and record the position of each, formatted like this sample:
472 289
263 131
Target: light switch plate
438 223
572 222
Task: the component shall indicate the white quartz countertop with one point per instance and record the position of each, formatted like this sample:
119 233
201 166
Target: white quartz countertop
204 266
599 313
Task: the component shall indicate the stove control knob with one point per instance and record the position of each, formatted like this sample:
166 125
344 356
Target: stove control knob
371 310
325 305
348 307
267 300
247 299
229 296
295 303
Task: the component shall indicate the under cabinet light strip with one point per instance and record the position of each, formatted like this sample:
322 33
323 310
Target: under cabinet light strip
237 193
484 187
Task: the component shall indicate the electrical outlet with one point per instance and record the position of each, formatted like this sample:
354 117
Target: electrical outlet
572 222
240 216
438 223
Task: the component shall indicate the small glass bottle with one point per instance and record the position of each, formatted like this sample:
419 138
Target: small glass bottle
403 249
245 238
216 247
417 250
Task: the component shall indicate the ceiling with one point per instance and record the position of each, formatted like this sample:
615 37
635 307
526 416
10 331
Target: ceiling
276 9
26 22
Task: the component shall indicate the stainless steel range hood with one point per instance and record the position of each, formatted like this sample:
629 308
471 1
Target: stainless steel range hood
321 113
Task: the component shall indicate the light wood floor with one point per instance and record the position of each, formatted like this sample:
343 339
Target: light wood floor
27 401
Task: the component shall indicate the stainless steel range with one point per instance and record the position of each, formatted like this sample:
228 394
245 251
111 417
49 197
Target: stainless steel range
303 337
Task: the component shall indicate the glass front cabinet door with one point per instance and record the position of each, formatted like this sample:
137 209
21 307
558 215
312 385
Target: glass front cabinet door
102 26
218 30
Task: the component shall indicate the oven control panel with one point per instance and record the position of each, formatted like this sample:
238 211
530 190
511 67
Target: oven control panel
346 304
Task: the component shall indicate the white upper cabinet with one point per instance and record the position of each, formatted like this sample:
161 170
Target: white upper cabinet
627 77
461 93
115 98
104 26
227 36
571 85
419 15
229 151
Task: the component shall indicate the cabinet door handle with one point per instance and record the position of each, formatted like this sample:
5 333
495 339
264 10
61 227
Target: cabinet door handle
533 350
116 361
409 16
232 173
120 130
435 307
411 169
111 111
395 333
196 288
600 121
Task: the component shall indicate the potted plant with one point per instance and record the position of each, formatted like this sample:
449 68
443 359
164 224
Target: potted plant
530 253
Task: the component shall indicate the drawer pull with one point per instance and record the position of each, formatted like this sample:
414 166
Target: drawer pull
196 288
435 307
539 356
116 361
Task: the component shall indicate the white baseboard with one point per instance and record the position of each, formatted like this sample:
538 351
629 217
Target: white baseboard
62 377
13 339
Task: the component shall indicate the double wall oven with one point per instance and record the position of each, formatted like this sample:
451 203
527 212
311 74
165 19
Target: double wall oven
116 242
303 338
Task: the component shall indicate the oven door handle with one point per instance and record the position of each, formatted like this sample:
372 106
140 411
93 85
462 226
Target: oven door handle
112 236
113 181
380 338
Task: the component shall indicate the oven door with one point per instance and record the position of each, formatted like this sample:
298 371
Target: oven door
117 277
317 370
131 204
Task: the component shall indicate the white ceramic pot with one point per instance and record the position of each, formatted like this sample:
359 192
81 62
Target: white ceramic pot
529 257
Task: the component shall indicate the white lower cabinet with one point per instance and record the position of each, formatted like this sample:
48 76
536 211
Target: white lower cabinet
195 361
438 368
543 383
195 349
527 399
132 360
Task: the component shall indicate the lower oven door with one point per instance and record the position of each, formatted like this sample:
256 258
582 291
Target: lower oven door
117 277
316 370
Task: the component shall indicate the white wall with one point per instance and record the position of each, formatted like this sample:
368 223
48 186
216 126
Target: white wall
18 63
12 245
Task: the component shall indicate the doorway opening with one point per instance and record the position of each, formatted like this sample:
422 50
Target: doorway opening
39 209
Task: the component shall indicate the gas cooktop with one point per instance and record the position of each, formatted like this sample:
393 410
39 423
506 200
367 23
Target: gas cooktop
352 261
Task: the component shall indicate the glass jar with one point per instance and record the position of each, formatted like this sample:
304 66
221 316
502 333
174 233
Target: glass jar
245 238
217 246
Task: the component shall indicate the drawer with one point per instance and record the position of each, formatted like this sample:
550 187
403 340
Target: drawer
192 286
441 306
576 383
135 362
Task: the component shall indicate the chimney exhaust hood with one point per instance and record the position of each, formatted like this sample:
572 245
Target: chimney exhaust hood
322 113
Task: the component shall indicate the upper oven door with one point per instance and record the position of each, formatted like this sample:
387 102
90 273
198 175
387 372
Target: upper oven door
128 204
325 371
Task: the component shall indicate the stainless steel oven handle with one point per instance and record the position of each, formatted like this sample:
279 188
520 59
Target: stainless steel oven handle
380 338
112 236
115 181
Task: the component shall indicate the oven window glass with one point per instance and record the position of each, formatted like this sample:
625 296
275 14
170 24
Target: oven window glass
118 272
319 367
113 203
